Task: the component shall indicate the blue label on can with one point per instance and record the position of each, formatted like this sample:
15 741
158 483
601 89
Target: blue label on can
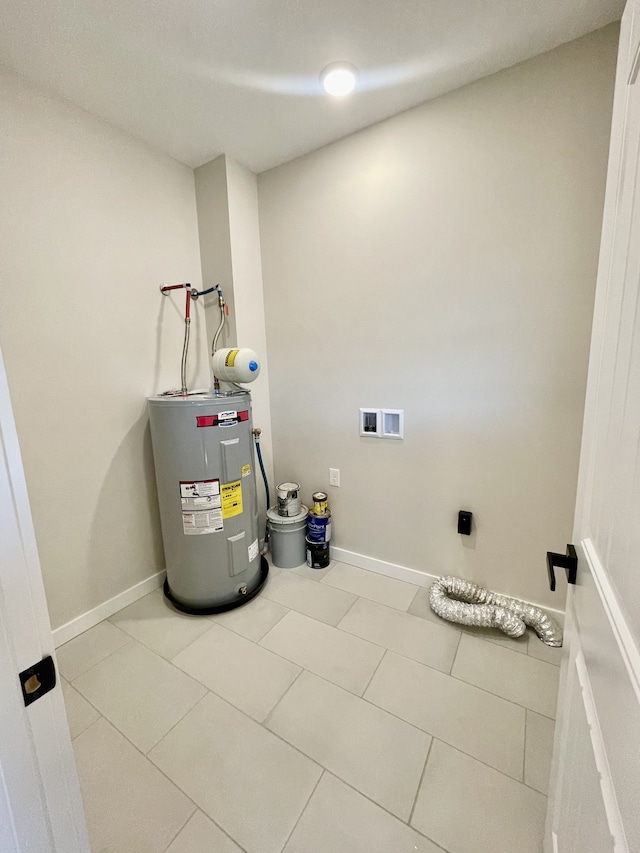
318 528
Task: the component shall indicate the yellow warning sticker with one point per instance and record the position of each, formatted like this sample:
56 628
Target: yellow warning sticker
230 360
246 470
231 495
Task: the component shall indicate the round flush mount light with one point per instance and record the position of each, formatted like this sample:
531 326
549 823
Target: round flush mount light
338 79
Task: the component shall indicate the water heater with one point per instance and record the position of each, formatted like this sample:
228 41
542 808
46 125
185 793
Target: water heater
203 454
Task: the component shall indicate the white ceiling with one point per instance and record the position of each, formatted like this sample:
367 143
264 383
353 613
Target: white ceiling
197 78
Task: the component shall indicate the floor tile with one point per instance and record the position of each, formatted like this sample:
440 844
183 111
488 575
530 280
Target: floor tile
480 724
420 607
329 652
88 649
539 650
538 751
381 756
340 820
319 601
129 804
467 807
201 835
495 635
140 693
251 783
410 636
156 624
80 713
519 678
253 619
312 574
371 585
250 677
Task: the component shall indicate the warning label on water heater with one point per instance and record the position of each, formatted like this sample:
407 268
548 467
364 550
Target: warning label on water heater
201 507
232 499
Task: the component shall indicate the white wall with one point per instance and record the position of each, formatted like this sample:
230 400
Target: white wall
227 199
443 262
92 221
212 201
249 302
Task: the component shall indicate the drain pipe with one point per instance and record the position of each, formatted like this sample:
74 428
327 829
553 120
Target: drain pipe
461 601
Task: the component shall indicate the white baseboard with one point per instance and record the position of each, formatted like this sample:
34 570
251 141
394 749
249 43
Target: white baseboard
87 620
390 570
403 573
103 611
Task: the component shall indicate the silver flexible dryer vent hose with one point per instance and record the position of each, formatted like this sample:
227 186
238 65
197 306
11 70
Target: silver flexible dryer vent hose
466 603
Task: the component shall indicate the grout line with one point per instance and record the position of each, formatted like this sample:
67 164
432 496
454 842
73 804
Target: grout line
159 769
130 639
82 696
315 760
152 763
524 746
270 628
377 601
208 816
255 722
91 725
417 729
419 663
382 657
325 576
424 731
197 702
230 837
383 808
469 684
288 660
112 722
264 722
537 790
287 743
304 808
160 654
366 640
484 763
195 809
422 775
455 655
350 608
412 601
495 641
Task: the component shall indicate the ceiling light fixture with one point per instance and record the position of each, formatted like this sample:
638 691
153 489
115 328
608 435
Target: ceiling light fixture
338 79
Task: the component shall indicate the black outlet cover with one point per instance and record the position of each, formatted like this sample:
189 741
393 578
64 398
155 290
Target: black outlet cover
464 522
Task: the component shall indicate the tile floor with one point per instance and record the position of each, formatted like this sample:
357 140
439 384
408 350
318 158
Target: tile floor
335 713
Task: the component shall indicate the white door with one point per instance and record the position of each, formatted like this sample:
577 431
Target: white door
594 802
40 803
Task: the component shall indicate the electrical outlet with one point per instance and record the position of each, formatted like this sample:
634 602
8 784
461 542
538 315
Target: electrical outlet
334 476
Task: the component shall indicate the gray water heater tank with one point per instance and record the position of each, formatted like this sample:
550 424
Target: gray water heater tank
203 454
